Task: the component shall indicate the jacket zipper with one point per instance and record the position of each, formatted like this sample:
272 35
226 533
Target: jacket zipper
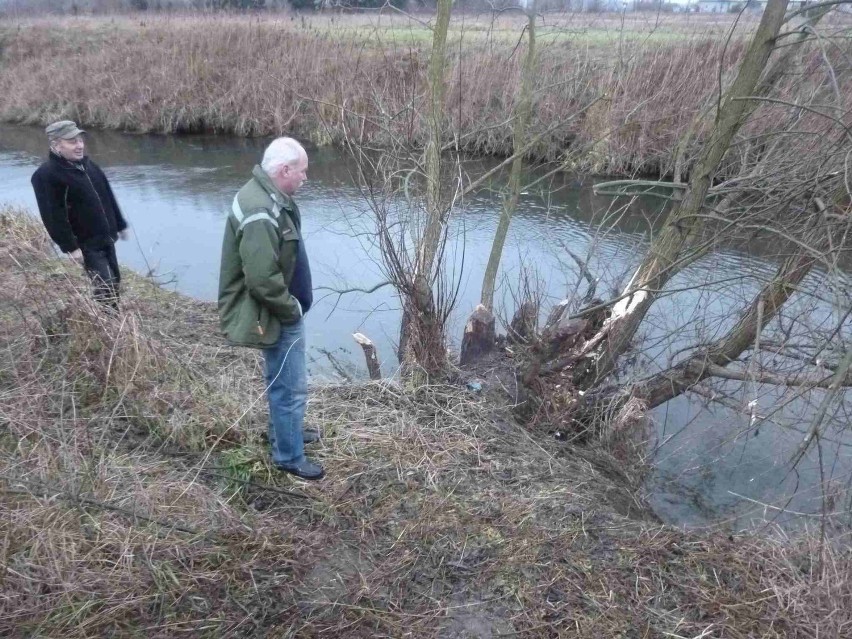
97 195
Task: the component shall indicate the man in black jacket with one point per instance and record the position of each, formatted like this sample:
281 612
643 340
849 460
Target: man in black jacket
79 210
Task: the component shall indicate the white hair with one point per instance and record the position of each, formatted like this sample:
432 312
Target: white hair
282 151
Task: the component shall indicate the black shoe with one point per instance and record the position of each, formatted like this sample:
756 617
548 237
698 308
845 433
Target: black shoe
305 469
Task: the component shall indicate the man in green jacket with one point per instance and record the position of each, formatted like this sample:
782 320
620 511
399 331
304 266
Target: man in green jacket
265 291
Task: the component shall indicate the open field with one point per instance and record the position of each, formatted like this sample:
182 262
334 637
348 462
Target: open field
618 97
601 30
137 501
382 28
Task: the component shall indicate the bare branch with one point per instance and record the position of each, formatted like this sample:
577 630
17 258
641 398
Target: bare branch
766 377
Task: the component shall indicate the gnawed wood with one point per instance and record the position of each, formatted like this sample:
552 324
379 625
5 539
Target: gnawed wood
479 336
369 348
522 328
556 314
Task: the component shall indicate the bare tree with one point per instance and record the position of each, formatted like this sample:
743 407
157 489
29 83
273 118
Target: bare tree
422 334
479 331
792 186
519 135
683 224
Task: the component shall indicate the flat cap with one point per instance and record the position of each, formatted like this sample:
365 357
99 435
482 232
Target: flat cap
64 129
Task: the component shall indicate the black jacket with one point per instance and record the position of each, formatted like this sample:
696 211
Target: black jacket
76 203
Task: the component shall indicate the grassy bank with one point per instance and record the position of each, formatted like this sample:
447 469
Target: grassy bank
137 501
325 78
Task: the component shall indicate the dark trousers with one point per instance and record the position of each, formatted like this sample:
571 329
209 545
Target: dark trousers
101 264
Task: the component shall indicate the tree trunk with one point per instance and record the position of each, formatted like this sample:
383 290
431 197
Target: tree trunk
479 336
793 37
479 333
434 210
421 347
671 383
370 355
660 263
711 360
426 354
519 134
523 326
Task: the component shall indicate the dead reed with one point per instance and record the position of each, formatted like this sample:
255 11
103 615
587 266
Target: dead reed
136 500
627 95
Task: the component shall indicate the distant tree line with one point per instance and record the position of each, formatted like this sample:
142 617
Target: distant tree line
119 6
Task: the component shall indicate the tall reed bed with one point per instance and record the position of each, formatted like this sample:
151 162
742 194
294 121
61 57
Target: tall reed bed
631 103
628 99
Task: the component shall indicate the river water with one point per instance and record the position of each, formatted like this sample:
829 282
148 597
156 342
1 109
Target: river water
711 466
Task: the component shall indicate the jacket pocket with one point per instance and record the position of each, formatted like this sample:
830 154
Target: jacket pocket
264 326
249 324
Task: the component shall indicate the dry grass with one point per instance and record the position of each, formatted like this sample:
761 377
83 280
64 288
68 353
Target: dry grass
137 501
325 80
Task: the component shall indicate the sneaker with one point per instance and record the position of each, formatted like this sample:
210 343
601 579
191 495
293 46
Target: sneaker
305 469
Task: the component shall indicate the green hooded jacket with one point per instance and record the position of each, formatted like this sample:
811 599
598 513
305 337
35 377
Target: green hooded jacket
259 254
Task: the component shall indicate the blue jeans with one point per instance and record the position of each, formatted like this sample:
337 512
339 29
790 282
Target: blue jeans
287 391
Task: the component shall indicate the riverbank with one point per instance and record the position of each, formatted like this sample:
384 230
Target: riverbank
620 94
137 499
